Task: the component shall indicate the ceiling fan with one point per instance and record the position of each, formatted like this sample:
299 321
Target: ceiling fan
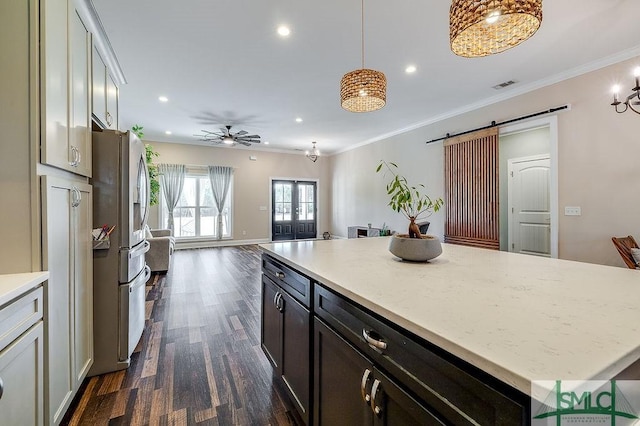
226 137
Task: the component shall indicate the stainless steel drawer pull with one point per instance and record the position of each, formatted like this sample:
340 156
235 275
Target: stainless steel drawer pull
280 275
280 304
363 386
374 392
374 343
1 388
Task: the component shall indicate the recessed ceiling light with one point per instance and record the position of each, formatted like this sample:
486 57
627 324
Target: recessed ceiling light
167 132
284 30
266 142
163 99
298 120
410 69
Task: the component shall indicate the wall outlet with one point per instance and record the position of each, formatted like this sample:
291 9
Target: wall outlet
244 232
572 211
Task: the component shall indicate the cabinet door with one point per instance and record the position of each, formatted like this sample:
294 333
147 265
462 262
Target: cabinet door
112 103
99 88
392 406
296 357
55 83
342 381
21 381
271 327
82 216
80 120
66 221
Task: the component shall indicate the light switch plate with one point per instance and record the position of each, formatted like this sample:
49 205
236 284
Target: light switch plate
263 208
572 211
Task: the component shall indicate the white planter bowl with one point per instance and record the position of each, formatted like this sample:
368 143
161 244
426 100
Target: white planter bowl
415 249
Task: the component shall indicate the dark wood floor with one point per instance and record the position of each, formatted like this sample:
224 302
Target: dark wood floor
199 360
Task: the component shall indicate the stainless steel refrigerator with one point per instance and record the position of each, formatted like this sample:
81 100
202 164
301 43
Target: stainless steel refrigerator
121 198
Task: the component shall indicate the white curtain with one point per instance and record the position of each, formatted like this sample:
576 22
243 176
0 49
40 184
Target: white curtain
220 177
172 177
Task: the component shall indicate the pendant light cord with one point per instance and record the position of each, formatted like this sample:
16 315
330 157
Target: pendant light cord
362 9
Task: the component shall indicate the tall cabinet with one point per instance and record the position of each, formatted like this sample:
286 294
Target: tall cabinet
66 201
45 166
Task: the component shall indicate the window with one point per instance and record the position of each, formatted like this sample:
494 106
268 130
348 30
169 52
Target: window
196 213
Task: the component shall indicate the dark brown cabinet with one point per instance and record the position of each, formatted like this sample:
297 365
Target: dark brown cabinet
350 390
348 365
285 339
419 378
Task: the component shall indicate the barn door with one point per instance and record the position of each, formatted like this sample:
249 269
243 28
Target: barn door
471 189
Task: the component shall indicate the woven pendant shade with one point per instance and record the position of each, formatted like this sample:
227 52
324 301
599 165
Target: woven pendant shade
363 90
471 34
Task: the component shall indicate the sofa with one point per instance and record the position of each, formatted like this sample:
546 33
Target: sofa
161 244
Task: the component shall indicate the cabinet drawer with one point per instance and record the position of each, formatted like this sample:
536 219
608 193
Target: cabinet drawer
296 284
458 391
18 316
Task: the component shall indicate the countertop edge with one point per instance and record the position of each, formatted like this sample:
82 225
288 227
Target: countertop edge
13 286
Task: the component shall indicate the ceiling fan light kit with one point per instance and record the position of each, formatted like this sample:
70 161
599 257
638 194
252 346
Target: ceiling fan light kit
363 90
225 136
484 27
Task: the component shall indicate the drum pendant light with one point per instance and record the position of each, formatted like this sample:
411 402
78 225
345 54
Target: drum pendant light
363 90
485 27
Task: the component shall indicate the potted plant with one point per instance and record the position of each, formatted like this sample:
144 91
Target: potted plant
154 183
413 204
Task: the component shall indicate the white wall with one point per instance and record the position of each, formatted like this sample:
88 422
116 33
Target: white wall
359 194
251 185
598 164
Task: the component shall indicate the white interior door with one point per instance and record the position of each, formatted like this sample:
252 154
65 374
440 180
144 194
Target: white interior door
529 205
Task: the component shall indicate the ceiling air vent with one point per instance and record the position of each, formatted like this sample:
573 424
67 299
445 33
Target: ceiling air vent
505 84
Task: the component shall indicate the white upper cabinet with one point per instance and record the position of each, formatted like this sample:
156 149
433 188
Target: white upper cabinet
112 103
99 88
66 138
105 94
80 119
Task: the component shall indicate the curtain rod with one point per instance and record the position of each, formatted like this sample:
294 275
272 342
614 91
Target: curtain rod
493 123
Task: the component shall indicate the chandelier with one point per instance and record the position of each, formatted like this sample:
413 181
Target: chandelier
314 154
485 27
363 90
629 102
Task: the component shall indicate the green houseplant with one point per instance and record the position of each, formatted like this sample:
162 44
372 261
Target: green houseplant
154 183
413 203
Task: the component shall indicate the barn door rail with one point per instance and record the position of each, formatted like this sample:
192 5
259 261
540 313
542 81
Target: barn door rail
494 124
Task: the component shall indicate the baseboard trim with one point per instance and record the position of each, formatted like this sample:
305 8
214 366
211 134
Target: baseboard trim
184 245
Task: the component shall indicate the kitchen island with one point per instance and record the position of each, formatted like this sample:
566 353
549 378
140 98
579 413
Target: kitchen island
514 318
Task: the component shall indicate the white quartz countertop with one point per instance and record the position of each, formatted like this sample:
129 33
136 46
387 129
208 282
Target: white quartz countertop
519 318
14 285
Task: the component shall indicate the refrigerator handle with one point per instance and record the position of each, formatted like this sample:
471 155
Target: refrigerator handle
138 282
140 249
147 180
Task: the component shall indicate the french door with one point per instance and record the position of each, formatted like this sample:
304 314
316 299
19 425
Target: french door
293 210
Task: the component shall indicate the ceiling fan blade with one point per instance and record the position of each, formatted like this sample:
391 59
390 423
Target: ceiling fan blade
241 132
244 143
225 131
252 136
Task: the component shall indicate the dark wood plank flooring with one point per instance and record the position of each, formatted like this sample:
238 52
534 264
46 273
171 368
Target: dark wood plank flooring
199 360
